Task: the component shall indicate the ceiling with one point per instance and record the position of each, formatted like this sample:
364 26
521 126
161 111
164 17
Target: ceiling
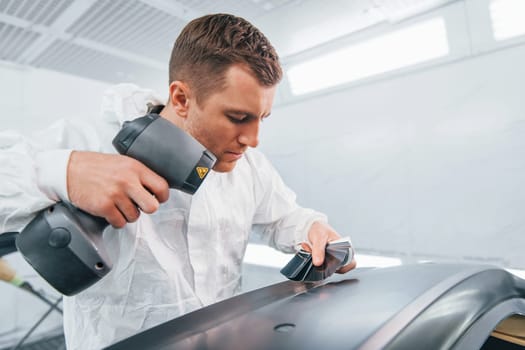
130 40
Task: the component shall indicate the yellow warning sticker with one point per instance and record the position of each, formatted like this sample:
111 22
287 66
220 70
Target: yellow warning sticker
202 171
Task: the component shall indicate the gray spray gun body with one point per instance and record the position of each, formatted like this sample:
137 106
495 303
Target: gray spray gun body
64 244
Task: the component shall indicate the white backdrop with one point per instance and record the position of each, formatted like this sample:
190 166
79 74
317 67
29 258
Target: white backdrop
31 99
425 165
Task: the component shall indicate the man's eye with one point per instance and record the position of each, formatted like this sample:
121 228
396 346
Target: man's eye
236 120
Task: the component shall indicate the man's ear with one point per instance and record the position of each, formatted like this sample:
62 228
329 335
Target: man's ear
179 97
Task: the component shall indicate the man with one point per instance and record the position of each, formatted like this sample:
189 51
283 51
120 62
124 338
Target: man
176 257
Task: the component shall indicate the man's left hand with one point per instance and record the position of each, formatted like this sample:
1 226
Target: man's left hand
319 235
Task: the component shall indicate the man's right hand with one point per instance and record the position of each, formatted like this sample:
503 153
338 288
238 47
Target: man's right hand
113 186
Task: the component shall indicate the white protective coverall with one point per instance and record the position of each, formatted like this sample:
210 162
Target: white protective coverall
186 255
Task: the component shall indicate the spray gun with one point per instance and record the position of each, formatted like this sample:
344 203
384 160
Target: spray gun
64 244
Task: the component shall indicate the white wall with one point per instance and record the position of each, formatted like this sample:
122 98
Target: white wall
31 98
426 164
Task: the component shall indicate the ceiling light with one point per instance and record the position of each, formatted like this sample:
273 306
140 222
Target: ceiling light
401 48
507 18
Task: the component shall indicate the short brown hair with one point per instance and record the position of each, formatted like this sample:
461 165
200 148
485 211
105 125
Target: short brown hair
209 45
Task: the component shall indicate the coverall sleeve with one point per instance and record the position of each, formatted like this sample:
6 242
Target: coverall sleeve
33 169
279 220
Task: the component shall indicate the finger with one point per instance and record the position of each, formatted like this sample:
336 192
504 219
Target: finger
115 218
143 199
157 185
347 267
306 247
129 210
318 248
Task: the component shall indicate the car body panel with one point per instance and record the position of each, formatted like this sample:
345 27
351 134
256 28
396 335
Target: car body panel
436 306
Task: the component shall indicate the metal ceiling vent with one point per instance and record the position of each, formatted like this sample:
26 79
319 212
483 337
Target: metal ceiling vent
127 40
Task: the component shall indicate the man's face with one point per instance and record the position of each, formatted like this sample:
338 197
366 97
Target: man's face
227 122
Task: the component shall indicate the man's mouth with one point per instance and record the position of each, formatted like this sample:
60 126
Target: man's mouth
232 156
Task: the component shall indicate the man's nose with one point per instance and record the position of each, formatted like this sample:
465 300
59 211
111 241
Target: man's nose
249 135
